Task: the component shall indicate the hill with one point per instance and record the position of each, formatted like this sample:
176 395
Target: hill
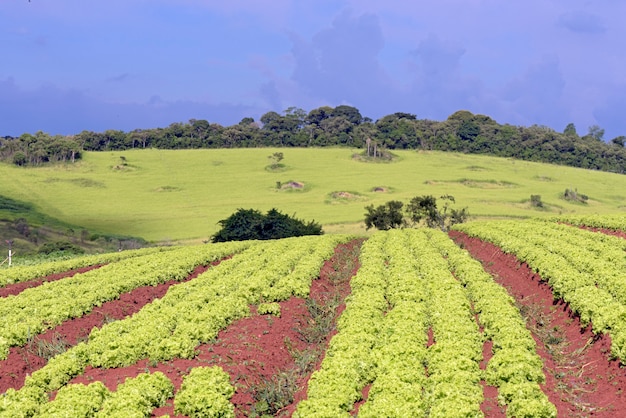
167 195
340 126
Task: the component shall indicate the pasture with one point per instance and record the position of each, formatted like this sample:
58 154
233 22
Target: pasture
180 195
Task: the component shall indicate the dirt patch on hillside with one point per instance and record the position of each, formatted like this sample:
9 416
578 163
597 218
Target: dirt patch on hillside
581 380
345 197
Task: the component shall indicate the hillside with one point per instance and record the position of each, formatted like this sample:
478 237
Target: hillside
342 126
167 195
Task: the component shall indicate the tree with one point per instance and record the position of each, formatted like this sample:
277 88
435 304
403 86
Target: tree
276 157
619 141
421 209
352 114
385 217
316 116
425 208
596 132
468 130
570 130
251 224
19 158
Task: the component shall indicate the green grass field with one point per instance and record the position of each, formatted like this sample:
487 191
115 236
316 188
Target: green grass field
181 195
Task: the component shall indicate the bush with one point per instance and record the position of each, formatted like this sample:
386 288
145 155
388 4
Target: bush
535 201
420 210
573 195
385 217
246 224
60 246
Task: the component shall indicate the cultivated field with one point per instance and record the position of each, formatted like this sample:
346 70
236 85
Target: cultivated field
522 318
178 195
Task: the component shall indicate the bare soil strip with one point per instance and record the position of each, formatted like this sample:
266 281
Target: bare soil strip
581 380
27 359
490 406
268 358
15 288
616 233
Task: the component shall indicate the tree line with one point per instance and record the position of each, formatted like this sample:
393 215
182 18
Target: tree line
341 126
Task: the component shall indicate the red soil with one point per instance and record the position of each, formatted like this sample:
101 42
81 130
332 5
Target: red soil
24 360
490 406
613 232
15 288
252 350
581 380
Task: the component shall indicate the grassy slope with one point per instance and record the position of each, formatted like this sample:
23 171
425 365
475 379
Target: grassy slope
178 195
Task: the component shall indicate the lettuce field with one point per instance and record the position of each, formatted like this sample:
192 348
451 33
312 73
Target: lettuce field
495 318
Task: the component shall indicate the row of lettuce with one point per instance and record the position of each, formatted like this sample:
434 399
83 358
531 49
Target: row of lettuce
205 392
585 269
414 326
403 289
37 309
17 274
616 222
190 314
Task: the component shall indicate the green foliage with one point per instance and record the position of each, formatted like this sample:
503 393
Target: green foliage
137 397
33 311
39 149
274 393
276 159
242 182
583 268
61 247
596 133
570 130
420 209
385 216
251 224
271 308
620 141
339 126
468 130
19 158
574 196
535 201
76 401
205 393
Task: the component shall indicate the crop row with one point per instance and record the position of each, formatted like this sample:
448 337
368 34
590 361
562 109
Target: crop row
36 309
205 392
189 314
18 274
590 281
403 289
515 368
615 222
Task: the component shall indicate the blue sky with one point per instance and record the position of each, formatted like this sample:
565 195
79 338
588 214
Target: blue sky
73 65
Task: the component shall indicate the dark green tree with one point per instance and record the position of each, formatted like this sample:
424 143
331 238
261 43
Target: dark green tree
424 208
251 224
385 217
570 130
352 114
596 132
468 130
619 141
420 210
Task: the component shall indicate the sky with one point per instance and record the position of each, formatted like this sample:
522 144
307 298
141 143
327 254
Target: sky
73 65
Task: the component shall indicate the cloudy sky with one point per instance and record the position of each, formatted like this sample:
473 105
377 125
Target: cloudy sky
73 65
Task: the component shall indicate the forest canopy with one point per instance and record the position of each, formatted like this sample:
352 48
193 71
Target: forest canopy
340 126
